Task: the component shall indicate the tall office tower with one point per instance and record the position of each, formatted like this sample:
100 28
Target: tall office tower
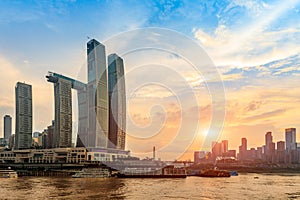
117 102
7 128
269 147
23 138
268 139
243 149
63 113
290 139
97 95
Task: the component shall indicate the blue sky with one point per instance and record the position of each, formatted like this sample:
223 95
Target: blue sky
255 45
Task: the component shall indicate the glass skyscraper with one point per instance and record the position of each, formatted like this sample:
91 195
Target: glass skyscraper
97 94
117 102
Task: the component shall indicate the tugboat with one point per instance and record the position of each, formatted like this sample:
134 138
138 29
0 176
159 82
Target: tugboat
214 173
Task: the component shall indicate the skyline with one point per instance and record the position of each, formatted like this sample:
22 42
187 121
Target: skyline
260 74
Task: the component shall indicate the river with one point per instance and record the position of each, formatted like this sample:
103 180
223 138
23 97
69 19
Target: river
244 186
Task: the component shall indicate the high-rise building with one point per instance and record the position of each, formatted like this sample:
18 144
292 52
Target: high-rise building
63 109
270 147
268 138
23 138
117 102
97 92
290 139
63 113
243 150
281 152
7 128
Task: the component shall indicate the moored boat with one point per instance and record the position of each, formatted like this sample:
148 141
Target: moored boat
8 174
92 173
234 173
214 173
165 172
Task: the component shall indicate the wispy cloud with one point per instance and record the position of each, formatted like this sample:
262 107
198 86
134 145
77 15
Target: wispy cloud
254 42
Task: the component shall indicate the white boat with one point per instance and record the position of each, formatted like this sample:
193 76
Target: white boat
8 174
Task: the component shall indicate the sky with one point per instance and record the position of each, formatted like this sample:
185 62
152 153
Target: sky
253 45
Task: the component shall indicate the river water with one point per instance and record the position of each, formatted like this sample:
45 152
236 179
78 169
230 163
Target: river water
244 186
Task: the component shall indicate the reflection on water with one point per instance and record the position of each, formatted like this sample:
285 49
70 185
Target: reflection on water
244 186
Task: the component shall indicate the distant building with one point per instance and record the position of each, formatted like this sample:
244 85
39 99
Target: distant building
49 138
36 134
117 102
281 152
230 153
35 139
270 147
23 138
7 128
224 146
243 150
259 153
290 139
252 154
216 150
11 141
199 155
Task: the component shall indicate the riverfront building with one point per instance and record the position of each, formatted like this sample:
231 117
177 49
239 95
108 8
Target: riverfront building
97 129
23 138
117 102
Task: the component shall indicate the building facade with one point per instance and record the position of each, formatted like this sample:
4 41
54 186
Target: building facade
23 138
117 102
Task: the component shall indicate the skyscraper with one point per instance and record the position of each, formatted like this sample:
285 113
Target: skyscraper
7 128
243 149
290 139
23 130
97 95
63 109
63 113
281 151
269 147
117 102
